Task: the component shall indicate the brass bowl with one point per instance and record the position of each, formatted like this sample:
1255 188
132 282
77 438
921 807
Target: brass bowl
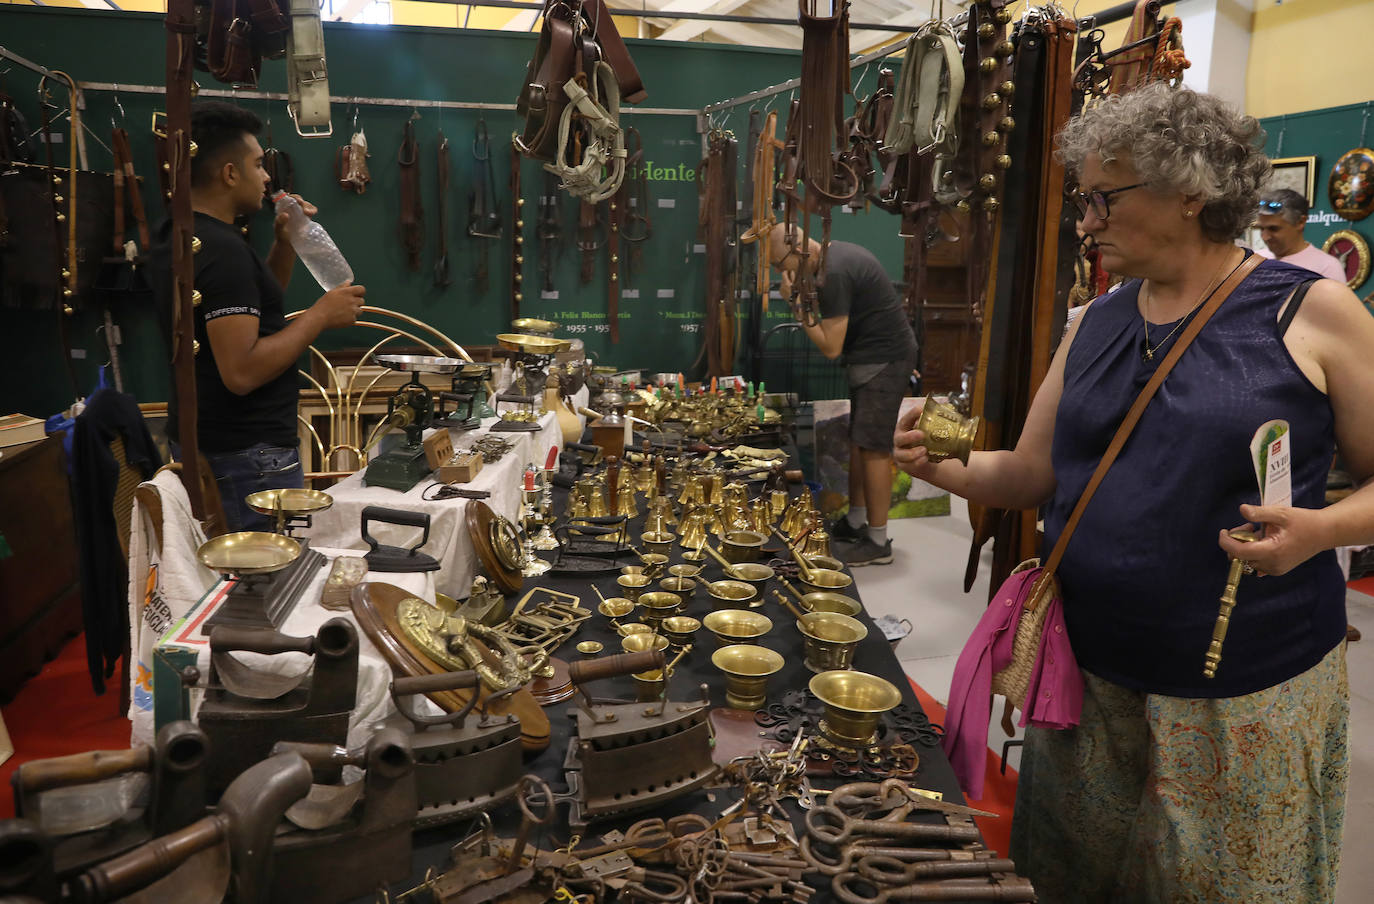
634 627
730 593
756 575
737 625
642 642
742 546
533 326
854 701
685 588
289 502
248 552
829 563
632 585
679 629
823 579
658 605
829 640
658 542
590 647
747 668
825 601
684 571
616 607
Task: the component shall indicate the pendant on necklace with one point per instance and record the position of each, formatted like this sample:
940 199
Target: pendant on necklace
1149 355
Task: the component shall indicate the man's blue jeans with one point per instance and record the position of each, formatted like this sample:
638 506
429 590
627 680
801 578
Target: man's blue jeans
259 467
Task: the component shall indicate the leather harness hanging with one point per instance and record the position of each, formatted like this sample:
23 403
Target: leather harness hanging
281 172
441 165
412 222
589 239
613 220
517 251
484 220
764 183
127 193
716 180
633 204
350 165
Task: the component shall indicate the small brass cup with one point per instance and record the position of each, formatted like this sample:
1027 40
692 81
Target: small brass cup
824 601
829 640
683 587
824 579
829 563
654 564
747 668
616 607
643 641
684 571
658 542
658 605
649 685
590 648
737 625
756 575
742 546
854 702
679 629
948 433
632 585
633 627
729 594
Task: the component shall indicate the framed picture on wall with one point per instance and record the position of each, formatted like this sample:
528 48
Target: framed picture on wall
1297 173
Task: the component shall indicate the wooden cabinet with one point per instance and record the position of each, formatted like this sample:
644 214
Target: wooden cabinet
40 590
951 336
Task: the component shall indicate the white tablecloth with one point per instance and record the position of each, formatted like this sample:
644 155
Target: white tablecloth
341 525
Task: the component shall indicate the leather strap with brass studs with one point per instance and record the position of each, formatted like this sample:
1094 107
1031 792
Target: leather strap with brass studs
517 218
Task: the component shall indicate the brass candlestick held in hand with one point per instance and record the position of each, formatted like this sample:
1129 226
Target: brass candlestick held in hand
1228 603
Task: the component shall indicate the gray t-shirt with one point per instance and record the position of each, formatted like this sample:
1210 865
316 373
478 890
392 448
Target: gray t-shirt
856 285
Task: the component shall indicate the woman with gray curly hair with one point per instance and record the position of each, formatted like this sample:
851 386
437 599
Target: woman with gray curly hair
1173 786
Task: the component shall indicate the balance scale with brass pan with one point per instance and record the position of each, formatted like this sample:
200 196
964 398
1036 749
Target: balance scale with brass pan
532 357
465 764
412 409
291 508
272 571
246 710
376 607
469 398
634 756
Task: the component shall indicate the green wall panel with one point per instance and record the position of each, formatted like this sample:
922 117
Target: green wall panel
660 330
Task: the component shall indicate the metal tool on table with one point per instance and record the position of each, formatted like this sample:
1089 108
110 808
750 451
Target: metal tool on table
246 710
530 356
94 806
411 409
226 853
469 398
1238 568
464 763
633 756
394 558
342 840
290 508
272 570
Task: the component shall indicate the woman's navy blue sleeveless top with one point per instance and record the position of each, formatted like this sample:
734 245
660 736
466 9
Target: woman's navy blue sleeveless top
1143 573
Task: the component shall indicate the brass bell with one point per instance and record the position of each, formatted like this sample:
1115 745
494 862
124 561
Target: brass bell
1008 88
991 138
66 274
195 346
694 531
1005 49
962 206
519 202
987 65
67 293
992 101
817 544
612 205
614 276
625 500
615 258
777 499
58 199
194 149
56 180
761 513
519 297
581 499
61 218
1003 161
195 88
1006 125
991 204
195 298
68 310
518 276
195 244
596 504
1002 16
166 167
520 258
987 182
519 224
986 30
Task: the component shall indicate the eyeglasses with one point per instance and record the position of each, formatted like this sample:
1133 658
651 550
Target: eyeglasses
1097 199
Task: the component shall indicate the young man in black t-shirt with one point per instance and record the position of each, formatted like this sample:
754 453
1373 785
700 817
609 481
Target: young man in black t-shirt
246 385
862 321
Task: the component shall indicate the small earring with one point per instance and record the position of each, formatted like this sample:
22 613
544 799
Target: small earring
1187 213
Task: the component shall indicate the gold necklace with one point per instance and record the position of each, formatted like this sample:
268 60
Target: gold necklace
1148 354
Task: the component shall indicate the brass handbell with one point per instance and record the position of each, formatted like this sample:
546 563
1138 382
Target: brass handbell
694 530
794 519
948 433
596 504
694 491
717 496
661 514
1228 603
625 503
762 514
817 544
581 499
777 499
734 517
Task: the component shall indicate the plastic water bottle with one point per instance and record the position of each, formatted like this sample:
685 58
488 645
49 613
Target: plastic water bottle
313 245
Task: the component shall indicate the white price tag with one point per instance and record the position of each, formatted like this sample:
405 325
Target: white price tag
666 293
550 295
629 293
667 202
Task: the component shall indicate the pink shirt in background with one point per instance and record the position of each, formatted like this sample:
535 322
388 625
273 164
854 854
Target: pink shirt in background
1312 258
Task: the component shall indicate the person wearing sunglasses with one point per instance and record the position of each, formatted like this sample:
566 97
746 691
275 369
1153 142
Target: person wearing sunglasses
1174 786
1282 216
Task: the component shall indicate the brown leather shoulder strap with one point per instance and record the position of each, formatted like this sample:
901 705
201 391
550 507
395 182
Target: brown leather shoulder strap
1123 432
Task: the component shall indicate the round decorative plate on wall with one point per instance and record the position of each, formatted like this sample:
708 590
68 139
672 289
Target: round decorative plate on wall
1351 186
1350 248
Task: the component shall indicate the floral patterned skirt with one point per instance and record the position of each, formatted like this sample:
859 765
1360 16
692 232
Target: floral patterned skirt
1169 799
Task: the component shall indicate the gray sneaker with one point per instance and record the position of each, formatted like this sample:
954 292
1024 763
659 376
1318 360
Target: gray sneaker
841 529
866 552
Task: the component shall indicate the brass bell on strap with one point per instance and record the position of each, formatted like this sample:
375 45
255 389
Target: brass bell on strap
987 65
992 101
